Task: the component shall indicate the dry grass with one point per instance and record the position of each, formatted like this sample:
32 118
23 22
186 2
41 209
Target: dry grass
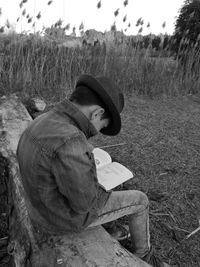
163 150
35 65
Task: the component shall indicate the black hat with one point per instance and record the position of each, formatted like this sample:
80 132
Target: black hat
110 95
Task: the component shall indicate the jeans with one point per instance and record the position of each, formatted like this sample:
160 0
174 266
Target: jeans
135 204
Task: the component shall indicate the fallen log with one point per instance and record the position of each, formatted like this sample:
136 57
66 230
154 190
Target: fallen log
93 247
14 118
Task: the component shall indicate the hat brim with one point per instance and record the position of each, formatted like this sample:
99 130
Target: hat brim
115 126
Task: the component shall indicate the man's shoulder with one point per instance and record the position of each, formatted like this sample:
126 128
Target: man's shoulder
54 123
64 129
75 139
52 131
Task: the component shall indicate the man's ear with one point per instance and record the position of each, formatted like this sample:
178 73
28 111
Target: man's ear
98 112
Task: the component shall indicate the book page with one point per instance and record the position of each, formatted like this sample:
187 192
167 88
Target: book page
113 175
101 157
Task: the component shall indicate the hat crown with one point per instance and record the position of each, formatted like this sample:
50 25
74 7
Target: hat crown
113 91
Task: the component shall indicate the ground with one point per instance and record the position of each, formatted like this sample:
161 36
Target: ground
163 150
160 143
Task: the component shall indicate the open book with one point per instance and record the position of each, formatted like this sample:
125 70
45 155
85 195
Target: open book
110 174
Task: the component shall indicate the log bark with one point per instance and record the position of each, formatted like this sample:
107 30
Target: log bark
14 118
93 247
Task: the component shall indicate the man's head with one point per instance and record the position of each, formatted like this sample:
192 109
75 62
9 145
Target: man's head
92 106
101 101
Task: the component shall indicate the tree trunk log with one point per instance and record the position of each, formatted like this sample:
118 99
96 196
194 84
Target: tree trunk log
93 247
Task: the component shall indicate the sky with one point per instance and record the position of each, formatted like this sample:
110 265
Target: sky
75 12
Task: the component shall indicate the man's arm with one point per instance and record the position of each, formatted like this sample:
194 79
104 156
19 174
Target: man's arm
75 174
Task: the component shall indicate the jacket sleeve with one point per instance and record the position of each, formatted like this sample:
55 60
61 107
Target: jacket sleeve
75 173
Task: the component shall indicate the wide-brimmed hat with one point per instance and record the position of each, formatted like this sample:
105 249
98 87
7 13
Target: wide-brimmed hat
110 95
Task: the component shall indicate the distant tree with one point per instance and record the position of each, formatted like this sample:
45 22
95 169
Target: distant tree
167 42
156 42
55 32
187 27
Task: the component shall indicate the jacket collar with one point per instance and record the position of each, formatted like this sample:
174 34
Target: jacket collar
68 108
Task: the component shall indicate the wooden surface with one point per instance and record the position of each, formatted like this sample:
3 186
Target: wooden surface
14 118
91 248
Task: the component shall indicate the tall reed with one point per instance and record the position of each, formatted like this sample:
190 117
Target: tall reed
34 65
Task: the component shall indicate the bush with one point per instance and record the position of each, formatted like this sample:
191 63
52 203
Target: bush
186 39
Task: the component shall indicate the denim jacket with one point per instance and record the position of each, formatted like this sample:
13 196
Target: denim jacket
58 170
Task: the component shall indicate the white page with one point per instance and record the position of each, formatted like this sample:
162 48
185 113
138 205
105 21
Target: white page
101 157
113 175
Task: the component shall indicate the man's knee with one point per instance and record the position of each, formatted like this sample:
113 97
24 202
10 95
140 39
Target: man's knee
143 199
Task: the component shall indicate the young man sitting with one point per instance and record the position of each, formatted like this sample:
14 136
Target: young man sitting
58 169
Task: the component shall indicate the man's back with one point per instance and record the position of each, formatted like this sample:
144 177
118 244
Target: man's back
62 195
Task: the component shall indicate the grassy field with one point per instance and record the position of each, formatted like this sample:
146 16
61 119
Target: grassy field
160 143
163 150
161 127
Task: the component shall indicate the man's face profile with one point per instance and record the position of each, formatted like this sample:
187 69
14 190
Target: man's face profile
98 119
